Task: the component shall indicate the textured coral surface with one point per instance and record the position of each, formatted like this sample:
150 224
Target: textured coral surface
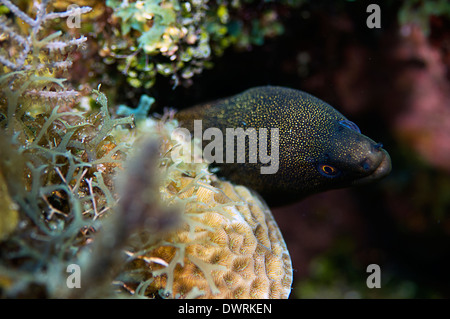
60 152
229 245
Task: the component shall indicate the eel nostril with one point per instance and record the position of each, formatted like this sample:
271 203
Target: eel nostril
377 147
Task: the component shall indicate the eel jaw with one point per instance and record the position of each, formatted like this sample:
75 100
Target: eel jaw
382 170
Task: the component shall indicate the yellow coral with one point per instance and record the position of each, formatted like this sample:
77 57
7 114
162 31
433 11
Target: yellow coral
229 245
9 217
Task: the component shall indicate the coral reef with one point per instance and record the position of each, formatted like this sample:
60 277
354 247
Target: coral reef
32 60
57 163
228 244
82 181
177 39
92 189
168 38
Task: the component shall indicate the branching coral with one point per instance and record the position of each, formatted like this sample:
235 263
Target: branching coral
32 61
187 234
67 175
57 164
177 39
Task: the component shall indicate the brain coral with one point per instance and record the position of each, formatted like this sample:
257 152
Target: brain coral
229 245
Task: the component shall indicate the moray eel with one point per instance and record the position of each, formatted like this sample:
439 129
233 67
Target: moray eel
318 148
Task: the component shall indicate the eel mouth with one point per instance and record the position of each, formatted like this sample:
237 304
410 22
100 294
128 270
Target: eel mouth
383 169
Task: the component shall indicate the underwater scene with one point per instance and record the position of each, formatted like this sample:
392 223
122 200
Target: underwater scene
228 149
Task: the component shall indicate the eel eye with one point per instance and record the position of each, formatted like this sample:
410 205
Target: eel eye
328 170
350 125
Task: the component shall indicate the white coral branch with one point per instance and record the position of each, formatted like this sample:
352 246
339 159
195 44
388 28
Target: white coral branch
61 65
19 13
62 45
25 42
67 94
8 63
40 15
71 12
12 34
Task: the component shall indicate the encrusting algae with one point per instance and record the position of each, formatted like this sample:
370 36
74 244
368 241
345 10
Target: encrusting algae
228 245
